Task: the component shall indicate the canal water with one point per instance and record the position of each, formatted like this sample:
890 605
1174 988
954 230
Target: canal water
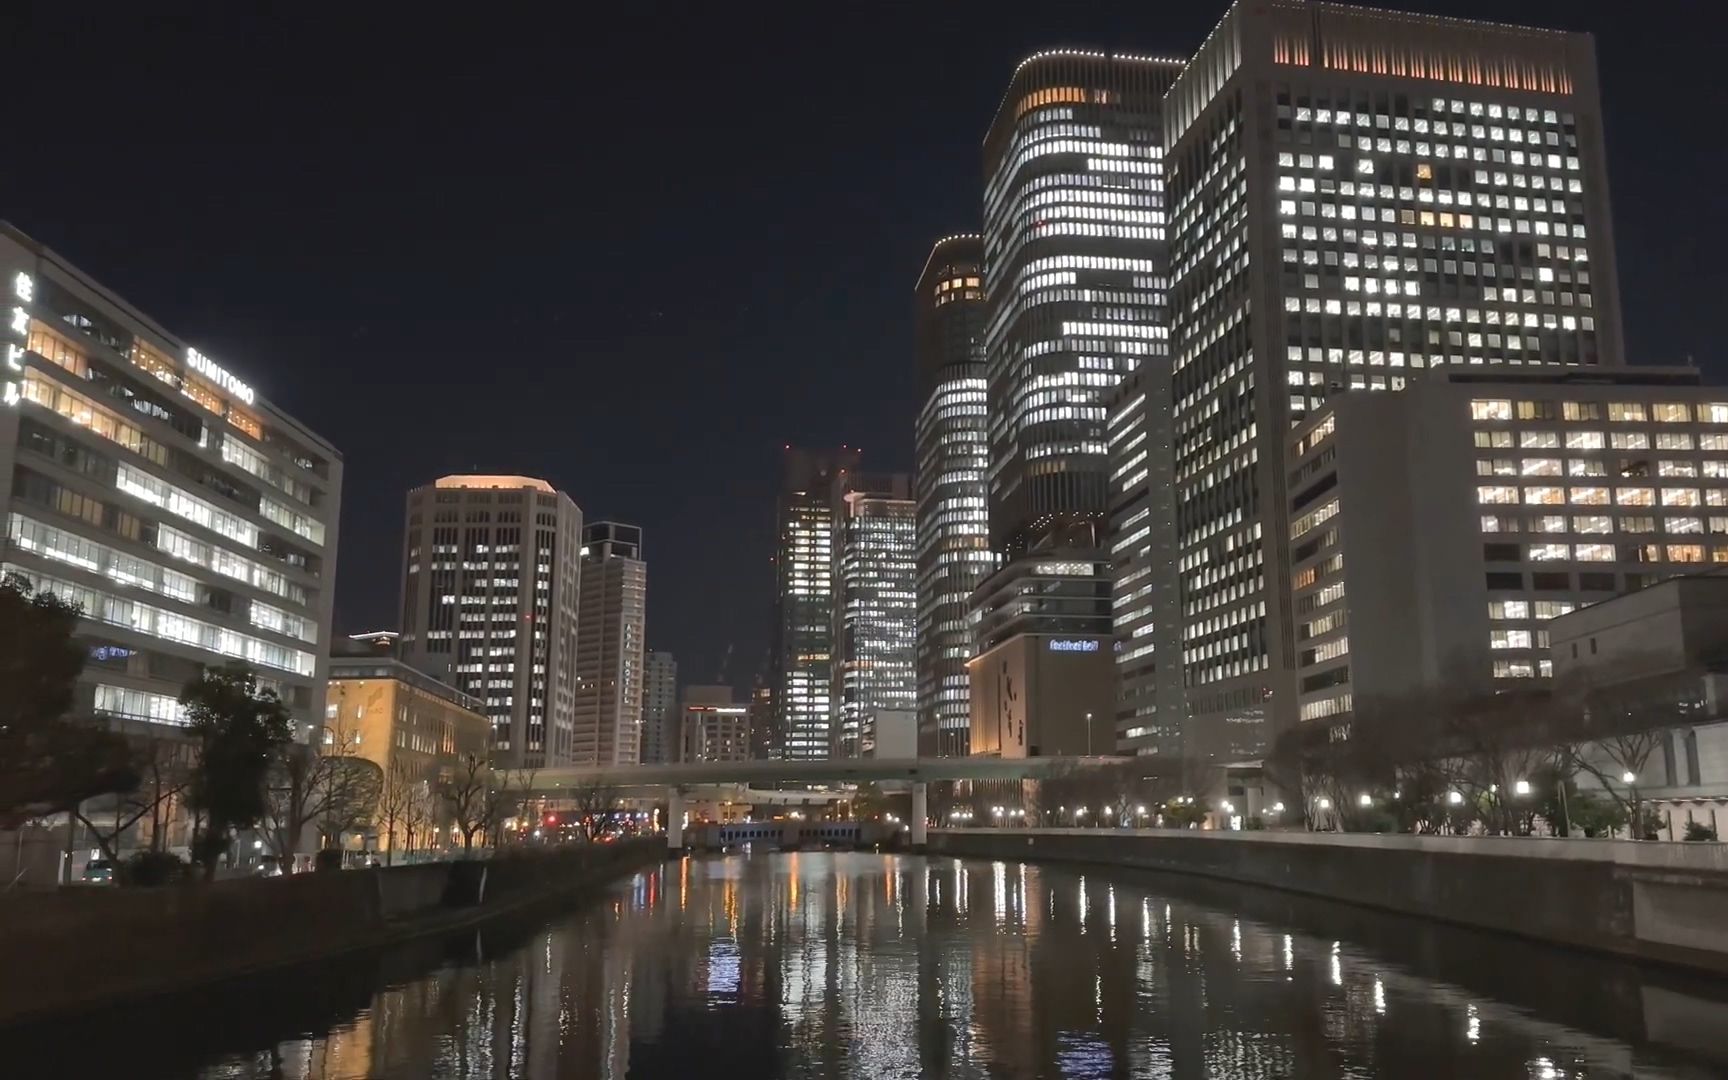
819 964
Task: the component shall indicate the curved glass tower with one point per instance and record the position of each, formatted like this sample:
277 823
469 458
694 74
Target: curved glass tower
953 546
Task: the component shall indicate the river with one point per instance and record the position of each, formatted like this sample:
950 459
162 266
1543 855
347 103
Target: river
819 964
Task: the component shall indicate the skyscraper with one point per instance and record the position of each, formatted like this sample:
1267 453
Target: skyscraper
1075 260
489 594
611 630
191 518
1354 195
801 676
877 610
953 541
660 709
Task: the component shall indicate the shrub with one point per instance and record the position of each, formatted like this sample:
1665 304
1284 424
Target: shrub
150 868
1697 830
327 859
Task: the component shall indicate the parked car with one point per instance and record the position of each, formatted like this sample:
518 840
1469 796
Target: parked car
99 872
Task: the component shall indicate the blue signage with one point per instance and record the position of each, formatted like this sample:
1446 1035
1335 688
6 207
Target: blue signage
1073 645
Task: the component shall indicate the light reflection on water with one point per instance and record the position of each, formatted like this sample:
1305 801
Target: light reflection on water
816 964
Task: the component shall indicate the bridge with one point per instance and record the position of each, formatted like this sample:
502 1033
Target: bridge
678 780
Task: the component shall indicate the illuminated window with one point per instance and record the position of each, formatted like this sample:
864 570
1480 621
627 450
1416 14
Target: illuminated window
1635 496
1490 410
1671 413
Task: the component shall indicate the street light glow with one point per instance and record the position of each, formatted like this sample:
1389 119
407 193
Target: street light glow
1522 787
1455 798
1325 803
1365 799
1629 777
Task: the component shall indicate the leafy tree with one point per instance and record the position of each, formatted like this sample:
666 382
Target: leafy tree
48 764
1697 830
1183 815
240 730
1595 816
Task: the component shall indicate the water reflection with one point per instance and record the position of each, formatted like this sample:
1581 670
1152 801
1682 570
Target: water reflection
817 964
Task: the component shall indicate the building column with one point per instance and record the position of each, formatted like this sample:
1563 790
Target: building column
920 810
675 820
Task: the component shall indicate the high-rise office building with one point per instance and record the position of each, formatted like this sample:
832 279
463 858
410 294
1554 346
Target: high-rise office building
660 709
1436 529
953 529
489 594
877 610
1356 197
1073 242
1075 261
802 665
191 519
1146 602
611 628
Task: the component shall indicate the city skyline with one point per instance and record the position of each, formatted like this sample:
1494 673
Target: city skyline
301 287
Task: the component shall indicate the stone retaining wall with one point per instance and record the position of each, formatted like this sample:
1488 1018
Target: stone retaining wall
1650 900
81 945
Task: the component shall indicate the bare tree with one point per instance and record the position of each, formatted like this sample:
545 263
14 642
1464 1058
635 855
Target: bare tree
517 800
394 798
475 796
164 768
594 805
1610 760
326 784
420 813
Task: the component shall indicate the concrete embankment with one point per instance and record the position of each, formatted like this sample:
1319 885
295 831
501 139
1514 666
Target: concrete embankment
75 948
1648 900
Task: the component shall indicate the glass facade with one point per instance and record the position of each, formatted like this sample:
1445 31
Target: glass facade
611 628
802 682
953 544
877 614
189 519
1074 231
1356 197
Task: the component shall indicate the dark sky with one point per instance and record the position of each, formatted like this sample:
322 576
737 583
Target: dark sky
636 253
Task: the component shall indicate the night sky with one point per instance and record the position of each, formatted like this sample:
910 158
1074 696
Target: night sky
635 254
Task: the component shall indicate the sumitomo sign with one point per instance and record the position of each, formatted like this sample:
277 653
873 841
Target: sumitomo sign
219 375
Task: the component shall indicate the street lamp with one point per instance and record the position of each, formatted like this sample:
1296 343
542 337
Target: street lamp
1325 803
1456 798
1629 777
1364 799
1522 787
1088 734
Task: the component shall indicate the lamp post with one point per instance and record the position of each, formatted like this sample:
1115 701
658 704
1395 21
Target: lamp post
1088 734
